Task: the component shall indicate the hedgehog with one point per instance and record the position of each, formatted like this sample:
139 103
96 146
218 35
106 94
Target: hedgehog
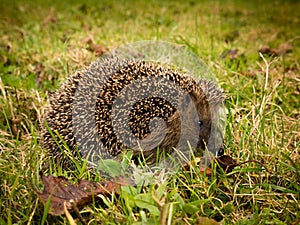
117 104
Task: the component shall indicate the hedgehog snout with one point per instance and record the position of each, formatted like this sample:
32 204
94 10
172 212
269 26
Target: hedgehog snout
215 143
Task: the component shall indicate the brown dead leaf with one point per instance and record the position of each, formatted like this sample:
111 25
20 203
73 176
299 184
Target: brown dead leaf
206 170
88 40
15 127
203 168
283 49
226 162
205 221
62 192
93 47
265 49
49 19
97 49
232 54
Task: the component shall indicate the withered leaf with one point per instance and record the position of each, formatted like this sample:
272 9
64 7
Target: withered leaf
232 54
93 47
61 192
226 162
205 221
281 50
97 49
15 127
49 19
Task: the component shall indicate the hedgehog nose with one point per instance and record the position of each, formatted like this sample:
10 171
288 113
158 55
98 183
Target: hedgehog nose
220 152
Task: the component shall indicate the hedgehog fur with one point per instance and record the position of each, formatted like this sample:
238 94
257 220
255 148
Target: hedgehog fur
81 111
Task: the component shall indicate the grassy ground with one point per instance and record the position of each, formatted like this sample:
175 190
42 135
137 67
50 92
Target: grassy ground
42 43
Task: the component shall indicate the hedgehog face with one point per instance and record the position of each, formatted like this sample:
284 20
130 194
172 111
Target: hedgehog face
210 136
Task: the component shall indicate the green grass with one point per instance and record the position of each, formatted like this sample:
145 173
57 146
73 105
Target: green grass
42 43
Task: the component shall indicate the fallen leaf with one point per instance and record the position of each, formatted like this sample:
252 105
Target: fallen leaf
14 127
265 49
226 162
88 40
206 170
283 49
65 197
93 47
49 19
63 193
232 54
205 221
97 49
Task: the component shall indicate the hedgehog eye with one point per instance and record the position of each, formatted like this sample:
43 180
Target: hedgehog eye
200 123
220 152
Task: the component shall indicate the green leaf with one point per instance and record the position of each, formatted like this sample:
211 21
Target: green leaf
145 201
130 190
110 166
161 189
193 207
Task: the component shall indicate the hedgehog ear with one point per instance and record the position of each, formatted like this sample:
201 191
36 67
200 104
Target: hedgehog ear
186 100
